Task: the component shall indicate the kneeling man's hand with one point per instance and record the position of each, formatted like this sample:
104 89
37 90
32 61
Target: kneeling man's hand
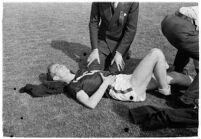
93 56
119 61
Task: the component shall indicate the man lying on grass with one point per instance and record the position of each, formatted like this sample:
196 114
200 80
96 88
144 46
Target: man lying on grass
88 87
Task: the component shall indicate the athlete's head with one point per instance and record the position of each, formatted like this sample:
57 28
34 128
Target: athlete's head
59 72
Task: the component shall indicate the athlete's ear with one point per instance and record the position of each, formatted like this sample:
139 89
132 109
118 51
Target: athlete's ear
56 78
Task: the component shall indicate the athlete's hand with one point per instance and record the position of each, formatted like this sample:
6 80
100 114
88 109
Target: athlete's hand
108 79
119 61
93 56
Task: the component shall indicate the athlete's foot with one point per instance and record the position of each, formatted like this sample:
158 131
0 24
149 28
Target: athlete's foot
165 91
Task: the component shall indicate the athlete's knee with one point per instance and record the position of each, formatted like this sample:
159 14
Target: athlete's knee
157 53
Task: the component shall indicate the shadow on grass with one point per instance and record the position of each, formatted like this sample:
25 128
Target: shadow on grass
122 111
76 51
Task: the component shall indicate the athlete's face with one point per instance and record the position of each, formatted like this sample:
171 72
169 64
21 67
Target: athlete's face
59 71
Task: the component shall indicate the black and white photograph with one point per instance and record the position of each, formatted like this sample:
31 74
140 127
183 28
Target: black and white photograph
100 69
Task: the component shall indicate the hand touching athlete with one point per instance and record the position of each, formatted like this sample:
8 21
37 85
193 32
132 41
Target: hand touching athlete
93 56
119 61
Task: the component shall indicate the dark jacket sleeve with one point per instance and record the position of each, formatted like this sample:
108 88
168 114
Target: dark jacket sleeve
94 25
151 118
47 88
130 29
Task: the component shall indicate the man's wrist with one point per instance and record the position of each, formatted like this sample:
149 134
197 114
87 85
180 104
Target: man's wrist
118 53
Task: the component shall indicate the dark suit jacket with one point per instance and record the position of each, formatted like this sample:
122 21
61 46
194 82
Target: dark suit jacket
117 28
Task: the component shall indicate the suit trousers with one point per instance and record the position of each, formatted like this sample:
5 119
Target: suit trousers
182 34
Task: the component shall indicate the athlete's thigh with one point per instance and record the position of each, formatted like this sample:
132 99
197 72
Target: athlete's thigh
143 72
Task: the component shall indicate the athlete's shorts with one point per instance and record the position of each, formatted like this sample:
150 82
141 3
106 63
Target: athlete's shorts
123 90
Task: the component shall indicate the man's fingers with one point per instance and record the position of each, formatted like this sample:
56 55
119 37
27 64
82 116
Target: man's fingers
123 62
89 58
98 60
118 67
122 65
112 62
89 63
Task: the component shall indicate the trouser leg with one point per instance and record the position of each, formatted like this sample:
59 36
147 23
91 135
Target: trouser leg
191 95
181 60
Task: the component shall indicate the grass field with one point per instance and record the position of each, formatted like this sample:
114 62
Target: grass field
37 34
